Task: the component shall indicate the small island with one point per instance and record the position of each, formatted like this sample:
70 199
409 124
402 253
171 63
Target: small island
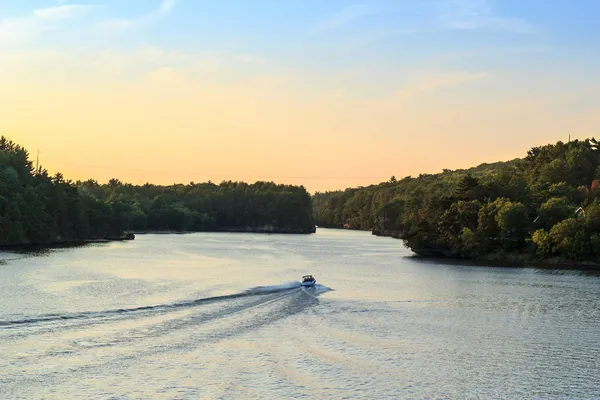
544 208
39 209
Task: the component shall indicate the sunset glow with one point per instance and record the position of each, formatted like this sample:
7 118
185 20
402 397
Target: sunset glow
325 94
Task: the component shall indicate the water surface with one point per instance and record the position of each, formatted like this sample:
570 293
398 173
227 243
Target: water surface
222 316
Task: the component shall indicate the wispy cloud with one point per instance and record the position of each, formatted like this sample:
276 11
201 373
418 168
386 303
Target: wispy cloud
347 15
121 24
42 19
109 65
440 81
478 15
365 39
65 11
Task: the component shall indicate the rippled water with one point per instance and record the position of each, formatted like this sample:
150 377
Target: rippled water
222 316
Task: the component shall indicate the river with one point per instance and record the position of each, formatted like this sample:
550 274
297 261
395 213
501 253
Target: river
222 316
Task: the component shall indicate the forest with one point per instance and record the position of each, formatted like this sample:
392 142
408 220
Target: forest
544 207
37 208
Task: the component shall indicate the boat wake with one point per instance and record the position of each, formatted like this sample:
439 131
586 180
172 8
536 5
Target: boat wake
256 292
82 340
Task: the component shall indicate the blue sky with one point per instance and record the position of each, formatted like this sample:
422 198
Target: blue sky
500 75
331 34
295 28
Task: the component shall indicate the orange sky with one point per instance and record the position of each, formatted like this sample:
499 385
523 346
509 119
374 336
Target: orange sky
154 114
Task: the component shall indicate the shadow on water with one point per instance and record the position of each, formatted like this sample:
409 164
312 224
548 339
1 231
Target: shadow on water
44 250
551 269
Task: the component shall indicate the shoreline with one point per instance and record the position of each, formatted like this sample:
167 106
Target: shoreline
249 229
516 260
32 247
130 235
492 260
555 265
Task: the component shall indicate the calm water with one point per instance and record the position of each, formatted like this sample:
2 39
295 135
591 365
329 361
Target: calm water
222 316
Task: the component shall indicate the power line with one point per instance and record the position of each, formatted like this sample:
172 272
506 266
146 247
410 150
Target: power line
219 174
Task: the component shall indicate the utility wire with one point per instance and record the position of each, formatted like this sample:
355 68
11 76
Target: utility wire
209 174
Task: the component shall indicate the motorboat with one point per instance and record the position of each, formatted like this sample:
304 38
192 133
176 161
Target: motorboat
308 281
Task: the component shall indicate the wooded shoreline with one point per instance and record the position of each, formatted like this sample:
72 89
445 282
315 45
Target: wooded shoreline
39 209
542 209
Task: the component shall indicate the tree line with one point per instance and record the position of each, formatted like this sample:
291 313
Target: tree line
234 206
545 206
37 208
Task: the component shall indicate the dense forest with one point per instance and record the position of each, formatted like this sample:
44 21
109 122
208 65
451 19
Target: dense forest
543 207
36 208
228 206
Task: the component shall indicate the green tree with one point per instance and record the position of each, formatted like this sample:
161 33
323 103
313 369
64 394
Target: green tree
543 243
452 224
520 204
569 240
513 222
555 210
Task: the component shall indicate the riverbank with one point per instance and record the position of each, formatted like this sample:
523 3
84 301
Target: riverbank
62 243
268 229
499 257
247 229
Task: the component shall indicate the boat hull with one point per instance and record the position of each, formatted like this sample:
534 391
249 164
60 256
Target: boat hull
309 283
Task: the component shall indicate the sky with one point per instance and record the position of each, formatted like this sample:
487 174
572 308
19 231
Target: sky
328 94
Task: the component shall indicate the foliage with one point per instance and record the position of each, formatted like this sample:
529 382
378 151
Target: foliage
206 206
36 208
546 205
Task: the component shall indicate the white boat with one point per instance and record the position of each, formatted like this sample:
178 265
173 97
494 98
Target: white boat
308 281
